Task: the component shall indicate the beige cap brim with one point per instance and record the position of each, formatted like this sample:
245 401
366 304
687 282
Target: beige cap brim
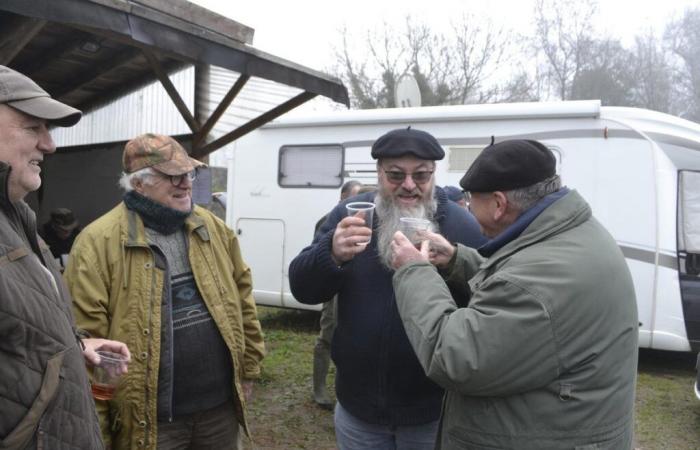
51 110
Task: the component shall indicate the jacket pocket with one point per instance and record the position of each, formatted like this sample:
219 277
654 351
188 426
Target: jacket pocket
456 440
25 430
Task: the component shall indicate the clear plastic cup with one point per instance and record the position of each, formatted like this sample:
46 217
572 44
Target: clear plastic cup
364 210
411 228
106 374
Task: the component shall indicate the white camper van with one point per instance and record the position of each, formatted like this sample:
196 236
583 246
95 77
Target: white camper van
639 170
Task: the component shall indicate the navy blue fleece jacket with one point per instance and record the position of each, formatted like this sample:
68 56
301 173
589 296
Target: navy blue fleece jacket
378 379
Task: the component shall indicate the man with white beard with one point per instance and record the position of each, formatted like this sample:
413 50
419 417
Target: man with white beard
385 401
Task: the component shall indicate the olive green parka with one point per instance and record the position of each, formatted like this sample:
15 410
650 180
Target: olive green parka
544 357
117 291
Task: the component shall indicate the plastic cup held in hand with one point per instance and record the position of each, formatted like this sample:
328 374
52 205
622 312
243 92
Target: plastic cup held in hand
364 210
106 374
411 227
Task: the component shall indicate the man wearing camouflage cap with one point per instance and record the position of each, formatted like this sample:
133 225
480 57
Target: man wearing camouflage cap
168 278
45 399
545 354
385 401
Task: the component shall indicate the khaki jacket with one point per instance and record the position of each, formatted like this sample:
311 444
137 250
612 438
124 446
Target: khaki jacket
117 293
545 355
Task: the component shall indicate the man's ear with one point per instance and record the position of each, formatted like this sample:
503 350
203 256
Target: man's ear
137 184
500 205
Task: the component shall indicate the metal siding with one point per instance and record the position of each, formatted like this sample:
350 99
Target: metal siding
151 110
147 110
257 97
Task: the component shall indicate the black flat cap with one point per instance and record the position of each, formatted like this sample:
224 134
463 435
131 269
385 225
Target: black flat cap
509 165
407 141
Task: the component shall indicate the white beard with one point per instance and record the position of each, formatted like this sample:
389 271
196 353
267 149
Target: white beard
388 215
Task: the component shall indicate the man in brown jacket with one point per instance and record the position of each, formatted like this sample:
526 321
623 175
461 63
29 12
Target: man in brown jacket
45 399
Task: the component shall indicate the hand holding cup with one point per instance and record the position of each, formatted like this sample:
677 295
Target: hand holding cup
354 232
106 374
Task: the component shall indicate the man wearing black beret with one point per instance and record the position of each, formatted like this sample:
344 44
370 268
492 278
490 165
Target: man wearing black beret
384 398
545 354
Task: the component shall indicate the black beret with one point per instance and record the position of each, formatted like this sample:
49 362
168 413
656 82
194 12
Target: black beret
509 165
404 141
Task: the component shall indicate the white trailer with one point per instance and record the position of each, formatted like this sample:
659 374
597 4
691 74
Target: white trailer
639 170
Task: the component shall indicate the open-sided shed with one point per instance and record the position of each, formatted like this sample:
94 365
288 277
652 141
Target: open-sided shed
88 53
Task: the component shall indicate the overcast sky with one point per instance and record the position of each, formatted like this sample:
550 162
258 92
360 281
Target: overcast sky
305 31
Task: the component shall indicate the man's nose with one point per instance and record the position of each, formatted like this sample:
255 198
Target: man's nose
408 183
46 143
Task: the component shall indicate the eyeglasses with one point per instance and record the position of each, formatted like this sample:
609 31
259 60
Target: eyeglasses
176 180
420 177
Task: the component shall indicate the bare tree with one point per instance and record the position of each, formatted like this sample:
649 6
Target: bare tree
605 74
563 36
651 74
683 38
449 68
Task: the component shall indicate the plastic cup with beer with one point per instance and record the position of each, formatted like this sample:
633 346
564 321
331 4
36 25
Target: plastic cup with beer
412 227
106 374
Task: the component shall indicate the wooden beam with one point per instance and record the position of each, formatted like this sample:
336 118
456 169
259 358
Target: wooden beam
253 124
86 78
219 111
17 36
170 89
51 54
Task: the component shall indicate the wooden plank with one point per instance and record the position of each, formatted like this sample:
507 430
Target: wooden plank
220 109
86 78
16 36
172 92
188 16
253 124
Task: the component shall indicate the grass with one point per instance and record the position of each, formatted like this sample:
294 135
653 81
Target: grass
283 416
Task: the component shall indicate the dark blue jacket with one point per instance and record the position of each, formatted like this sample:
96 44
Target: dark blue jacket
378 379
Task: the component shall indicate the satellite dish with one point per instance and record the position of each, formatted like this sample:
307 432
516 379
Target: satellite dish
407 94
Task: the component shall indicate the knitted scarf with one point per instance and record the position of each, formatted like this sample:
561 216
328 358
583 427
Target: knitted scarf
155 215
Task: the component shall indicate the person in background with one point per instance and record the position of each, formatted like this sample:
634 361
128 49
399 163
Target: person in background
322 349
168 277
457 195
544 356
385 401
45 399
60 232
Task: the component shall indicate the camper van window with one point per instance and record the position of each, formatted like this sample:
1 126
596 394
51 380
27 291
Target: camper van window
310 166
689 221
461 157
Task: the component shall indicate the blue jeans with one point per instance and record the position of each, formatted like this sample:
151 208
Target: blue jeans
352 433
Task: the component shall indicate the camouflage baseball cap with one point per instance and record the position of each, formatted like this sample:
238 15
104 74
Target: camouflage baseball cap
23 94
163 153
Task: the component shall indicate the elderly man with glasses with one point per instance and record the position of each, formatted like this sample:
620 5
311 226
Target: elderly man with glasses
167 277
385 401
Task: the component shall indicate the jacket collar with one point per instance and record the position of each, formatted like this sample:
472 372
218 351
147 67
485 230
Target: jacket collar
134 233
521 223
568 212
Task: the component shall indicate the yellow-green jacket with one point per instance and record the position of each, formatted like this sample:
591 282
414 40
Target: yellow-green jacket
117 291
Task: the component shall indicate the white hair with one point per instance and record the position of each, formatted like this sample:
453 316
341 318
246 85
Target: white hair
127 179
524 198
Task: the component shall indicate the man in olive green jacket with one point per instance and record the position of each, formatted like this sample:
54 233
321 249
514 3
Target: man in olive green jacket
167 277
545 354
